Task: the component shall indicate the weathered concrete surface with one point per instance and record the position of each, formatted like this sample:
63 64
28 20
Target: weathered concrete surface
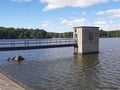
87 38
7 84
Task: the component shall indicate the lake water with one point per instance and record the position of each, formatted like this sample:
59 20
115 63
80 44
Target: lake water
60 69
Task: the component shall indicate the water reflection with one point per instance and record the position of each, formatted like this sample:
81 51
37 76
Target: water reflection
89 60
87 66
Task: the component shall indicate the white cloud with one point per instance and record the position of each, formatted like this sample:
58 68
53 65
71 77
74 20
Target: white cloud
113 13
21 0
100 23
107 25
46 24
75 22
116 0
111 22
54 4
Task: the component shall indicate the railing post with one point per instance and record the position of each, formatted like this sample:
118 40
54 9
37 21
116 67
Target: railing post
11 43
25 42
39 42
36 42
60 41
50 41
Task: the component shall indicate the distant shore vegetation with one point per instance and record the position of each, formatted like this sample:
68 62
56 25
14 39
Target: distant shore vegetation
22 33
109 34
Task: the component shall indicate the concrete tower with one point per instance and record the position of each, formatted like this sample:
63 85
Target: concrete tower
87 39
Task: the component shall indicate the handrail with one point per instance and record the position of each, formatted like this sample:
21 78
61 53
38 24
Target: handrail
35 42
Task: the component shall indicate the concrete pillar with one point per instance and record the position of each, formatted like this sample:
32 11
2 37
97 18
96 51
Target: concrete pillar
75 50
87 39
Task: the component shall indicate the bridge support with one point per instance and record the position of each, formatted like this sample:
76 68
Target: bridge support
87 39
75 50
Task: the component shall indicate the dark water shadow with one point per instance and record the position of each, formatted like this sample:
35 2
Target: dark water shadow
87 67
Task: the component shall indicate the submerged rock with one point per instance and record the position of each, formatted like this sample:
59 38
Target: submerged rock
17 58
10 59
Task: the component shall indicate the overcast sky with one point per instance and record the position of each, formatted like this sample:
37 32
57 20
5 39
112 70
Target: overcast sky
60 15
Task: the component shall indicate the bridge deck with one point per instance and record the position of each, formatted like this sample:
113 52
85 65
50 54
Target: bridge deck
24 44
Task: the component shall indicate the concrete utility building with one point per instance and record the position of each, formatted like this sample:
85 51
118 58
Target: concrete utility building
87 39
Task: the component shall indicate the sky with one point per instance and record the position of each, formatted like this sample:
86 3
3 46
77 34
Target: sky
60 15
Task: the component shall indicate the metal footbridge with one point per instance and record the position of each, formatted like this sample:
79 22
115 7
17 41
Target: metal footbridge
24 44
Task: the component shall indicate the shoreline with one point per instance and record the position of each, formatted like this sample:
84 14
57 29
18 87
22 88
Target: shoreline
8 84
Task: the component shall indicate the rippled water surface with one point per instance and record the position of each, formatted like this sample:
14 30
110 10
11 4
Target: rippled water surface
60 69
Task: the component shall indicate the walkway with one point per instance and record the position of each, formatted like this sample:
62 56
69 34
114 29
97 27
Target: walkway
7 84
24 44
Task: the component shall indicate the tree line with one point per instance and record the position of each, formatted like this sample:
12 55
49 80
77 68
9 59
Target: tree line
22 33
110 34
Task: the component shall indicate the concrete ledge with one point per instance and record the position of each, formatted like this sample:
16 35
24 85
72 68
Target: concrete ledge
7 84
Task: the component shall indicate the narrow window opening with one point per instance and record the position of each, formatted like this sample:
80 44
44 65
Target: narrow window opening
90 36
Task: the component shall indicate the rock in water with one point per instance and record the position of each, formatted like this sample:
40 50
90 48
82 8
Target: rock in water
9 59
18 58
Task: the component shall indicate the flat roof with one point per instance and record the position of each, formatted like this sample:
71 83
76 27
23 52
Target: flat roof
86 27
